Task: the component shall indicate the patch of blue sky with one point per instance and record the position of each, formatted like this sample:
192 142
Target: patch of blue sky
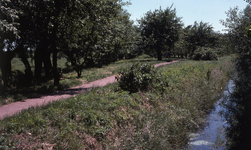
211 11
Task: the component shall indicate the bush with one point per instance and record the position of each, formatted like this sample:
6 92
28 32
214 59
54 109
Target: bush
138 77
203 53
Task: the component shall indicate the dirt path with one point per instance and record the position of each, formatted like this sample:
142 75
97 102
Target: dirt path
16 107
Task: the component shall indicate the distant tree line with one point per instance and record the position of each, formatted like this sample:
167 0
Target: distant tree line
92 33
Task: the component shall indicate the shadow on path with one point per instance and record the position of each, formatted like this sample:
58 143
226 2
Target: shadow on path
16 107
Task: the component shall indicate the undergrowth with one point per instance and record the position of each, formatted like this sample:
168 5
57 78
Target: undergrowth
109 118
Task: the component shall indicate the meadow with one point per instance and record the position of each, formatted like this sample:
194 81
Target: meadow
110 118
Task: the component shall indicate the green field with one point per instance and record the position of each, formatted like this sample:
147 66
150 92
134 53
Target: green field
108 118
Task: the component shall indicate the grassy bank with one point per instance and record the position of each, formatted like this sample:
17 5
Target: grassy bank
107 118
21 90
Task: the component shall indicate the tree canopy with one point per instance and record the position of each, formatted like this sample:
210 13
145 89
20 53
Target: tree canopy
160 30
86 32
199 35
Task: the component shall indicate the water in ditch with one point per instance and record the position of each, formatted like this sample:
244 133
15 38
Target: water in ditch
212 135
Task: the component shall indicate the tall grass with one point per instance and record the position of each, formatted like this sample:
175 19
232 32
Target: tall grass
108 118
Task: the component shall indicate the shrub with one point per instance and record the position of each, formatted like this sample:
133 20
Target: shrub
138 77
203 53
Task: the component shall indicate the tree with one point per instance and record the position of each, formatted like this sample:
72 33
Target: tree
248 1
106 36
35 30
8 34
72 27
87 34
238 105
237 22
180 47
122 41
86 31
160 30
199 35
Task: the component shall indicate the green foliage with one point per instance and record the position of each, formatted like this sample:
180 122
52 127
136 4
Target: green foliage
159 30
180 47
121 43
8 18
203 53
138 77
199 35
92 36
5 144
87 32
248 31
238 103
238 22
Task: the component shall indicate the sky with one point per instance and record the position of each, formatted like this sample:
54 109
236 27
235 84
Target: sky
211 11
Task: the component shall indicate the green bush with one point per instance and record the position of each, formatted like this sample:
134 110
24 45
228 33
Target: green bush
203 53
138 77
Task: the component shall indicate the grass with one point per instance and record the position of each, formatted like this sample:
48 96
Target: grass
108 118
20 90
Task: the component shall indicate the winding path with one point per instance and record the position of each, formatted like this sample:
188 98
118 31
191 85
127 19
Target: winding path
16 107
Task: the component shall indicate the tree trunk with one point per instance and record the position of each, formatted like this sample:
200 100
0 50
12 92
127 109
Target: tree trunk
38 63
28 72
2 90
55 53
47 64
159 54
22 55
58 7
5 61
79 72
55 68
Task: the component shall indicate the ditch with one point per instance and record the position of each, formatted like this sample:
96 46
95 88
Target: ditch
212 134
